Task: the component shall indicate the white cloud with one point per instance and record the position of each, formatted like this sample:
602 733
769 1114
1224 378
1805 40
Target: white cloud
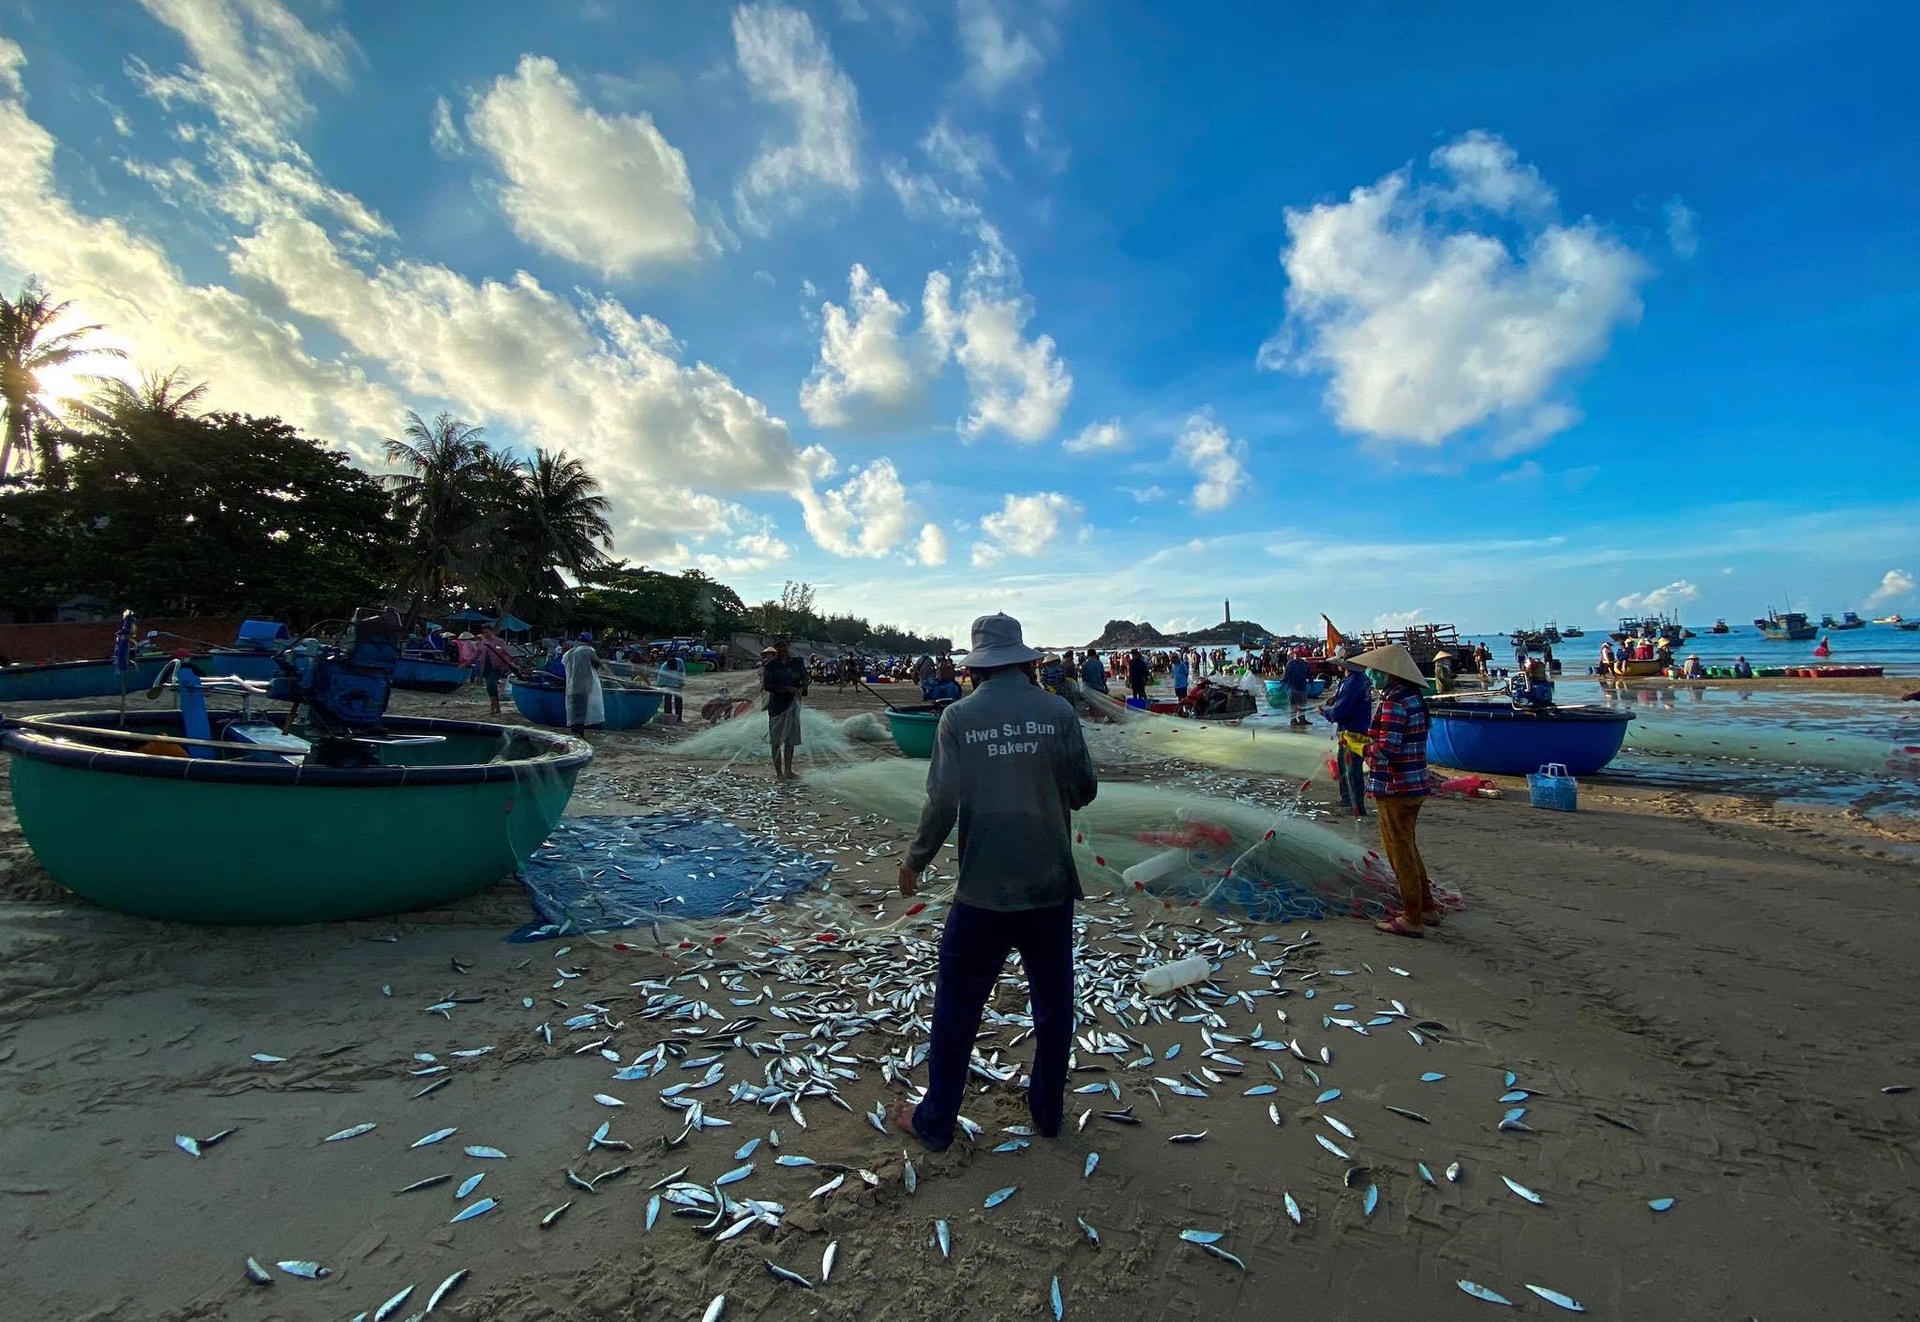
787 65
606 191
1019 386
1683 228
1894 584
1024 526
931 548
865 376
12 60
966 154
1096 437
1428 327
867 516
1656 602
996 56
446 137
249 58
1219 461
1147 495
1396 619
749 553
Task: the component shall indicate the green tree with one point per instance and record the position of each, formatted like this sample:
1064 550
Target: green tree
28 347
441 497
550 516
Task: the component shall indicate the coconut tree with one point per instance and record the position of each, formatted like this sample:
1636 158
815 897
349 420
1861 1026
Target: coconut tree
155 397
442 500
29 346
551 516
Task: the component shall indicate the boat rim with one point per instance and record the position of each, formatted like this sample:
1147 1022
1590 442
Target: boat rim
559 753
1457 709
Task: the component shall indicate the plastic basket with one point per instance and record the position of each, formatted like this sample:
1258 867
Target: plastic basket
1552 788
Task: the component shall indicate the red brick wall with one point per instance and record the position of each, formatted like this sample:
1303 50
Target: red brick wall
33 644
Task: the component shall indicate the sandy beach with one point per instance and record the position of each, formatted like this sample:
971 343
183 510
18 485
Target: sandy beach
1704 996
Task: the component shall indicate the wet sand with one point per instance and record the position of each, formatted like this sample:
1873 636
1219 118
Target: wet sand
1730 977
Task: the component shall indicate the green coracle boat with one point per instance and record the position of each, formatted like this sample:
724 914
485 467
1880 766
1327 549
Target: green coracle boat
256 835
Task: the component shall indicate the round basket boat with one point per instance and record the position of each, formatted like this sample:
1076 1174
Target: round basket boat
1497 740
546 704
913 729
220 840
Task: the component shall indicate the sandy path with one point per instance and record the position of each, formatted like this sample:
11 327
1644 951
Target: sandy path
1733 980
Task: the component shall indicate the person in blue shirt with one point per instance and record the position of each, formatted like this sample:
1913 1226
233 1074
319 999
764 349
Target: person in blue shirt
1351 711
1296 677
1182 673
1742 668
1093 674
944 687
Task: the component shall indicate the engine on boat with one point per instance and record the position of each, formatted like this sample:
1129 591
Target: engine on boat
344 689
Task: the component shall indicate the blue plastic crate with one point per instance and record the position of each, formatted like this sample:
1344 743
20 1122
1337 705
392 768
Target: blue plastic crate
1552 788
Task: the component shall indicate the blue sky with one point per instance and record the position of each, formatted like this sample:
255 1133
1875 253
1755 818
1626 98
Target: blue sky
1080 311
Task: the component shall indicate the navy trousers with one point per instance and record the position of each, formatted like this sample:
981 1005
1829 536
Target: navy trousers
973 950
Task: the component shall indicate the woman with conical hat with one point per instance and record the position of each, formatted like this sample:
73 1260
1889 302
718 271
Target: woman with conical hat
1397 779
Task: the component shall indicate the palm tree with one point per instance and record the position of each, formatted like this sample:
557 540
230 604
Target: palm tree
157 396
26 349
552 516
441 500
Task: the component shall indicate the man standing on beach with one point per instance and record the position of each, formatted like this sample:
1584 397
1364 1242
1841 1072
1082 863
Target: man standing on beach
1350 709
1397 778
1010 767
1137 674
784 677
1297 675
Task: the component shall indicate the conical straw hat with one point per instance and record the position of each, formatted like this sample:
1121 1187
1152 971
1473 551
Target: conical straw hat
1395 660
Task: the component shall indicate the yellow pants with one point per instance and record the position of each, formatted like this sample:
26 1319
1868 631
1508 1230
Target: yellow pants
1398 815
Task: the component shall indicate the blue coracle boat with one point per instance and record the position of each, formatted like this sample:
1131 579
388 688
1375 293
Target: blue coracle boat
1497 740
430 674
543 700
251 657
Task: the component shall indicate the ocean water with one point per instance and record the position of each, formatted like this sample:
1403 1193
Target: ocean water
1875 645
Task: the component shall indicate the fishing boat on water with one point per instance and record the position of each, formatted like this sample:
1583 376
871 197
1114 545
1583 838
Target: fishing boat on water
328 810
1785 627
1573 631
1847 620
1422 641
1720 626
1887 619
1650 626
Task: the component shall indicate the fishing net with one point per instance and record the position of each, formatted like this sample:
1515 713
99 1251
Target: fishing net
1169 849
823 740
867 728
1252 744
1775 747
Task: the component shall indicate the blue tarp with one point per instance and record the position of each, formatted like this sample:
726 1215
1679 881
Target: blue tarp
607 872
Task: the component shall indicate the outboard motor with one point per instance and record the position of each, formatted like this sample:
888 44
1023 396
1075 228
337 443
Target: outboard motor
345 689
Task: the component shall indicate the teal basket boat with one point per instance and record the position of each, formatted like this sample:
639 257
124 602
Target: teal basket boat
261 837
914 729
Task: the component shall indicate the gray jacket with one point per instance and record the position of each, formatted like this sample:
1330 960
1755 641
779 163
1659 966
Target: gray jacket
1011 766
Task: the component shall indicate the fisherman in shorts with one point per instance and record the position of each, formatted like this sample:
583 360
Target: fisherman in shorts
784 677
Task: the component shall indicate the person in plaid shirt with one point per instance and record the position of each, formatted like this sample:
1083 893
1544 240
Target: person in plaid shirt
1397 779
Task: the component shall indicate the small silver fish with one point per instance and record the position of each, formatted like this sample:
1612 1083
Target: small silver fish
605 1100
1059 1307
1261 1090
1273 1112
1293 1209
1093 1236
1093 1159
793 1159
444 1289
1432 1076
826 1261
257 1274
782 1274
480 1208
437 1083
486 1153
653 1210
188 1145
437 1136
1453 1173
354 1132
1524 1192
1202 1236
1337 1126
1329 1095
1482 1292
1411 1115
715 1309
1223 1255
467 1186
746 1149
944 1236
1372 1199
264 1059
1330 1146
1660 1204
307 1271
828 1187
1426 1175
912 1176
1558 1300
1187 1138
392 1306
735 1175
999 1196
561 1211
427 1183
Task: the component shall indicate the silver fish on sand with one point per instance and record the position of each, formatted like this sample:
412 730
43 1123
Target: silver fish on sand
1524 1192
1330 1146
1293 1209
826 1261
468 1185
999 1196
653 1210
605 1100
561 1211
480 1208
783 1274
1202 1236
445 1288
912 1176
1053 1295
257 1274
306 1271
437 1136
1093 1236
1453 1173
1559 1300
1479 1291
1093 1159
354 1132
392 1307
715 1309
1660 1204
1426 1176
188 1145
427 1183
944 1236
264 1059
1372 1199
486 1153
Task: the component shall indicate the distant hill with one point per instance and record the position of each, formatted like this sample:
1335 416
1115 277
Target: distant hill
1121 634
1227 633
1125 633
